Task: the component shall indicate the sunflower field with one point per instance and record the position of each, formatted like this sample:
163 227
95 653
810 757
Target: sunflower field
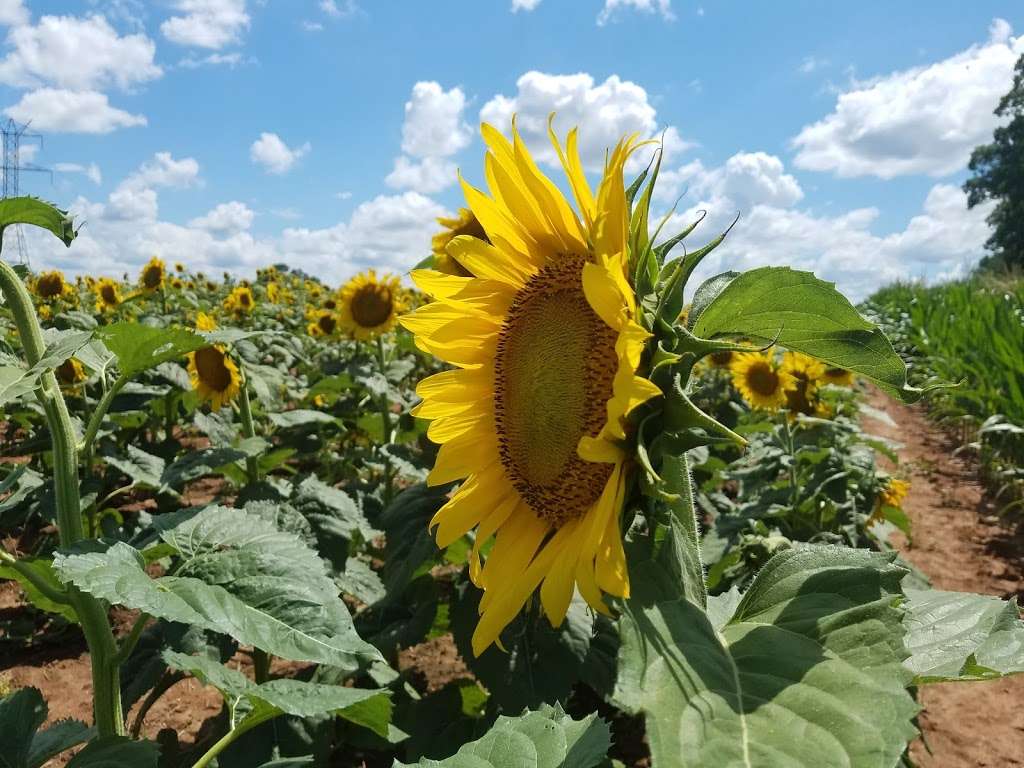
641 521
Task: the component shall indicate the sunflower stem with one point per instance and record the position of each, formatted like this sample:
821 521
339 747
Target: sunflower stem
385 421
252 467
92 613
97 419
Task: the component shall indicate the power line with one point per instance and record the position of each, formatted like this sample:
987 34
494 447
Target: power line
14 134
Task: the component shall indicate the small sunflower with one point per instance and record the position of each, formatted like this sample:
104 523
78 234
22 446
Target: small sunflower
544 335
324 324
108 295
152 276
70 372
721 359
177 283
465 223
839 376
369 305
205 322
273 292
240 300
801 396
894 493
760 380
214 375
52 285
179 267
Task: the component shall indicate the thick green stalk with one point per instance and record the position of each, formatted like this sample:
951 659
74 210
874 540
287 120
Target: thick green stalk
91 612
252 467
385 421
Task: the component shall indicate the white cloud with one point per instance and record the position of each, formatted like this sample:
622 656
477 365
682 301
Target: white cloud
747 179
604 113
13 13
811 64
434 129
226 218
431 174
612 7
230 60
55 110
924 120
210 24
91 171
312 26
274 155
524 5
164 171
79 54
337 10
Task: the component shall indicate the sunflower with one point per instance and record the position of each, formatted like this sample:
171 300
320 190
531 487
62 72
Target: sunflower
761 382
368 306
52 285
177 283
273 292
546 344
240 299
838 376
179 267
70 372
152 276
205 322
721 359
324 324
214 375
894 493
108 295
465 223
801 396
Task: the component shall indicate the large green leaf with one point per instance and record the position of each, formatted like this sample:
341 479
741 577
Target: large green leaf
806 672
30 210
139 347
960 636
239 576
367 707
806 314
23 744
117 752
547 738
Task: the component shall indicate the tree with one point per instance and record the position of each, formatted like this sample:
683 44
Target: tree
998 170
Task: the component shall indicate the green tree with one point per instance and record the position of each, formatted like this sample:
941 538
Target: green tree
998 170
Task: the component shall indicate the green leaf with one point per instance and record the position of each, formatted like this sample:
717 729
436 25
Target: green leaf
117 752
30 210
367 707
808 315
43 568
546 738
301 418
143 468
331 512
140 347
240 576
960 636
196 464
24 746
806 672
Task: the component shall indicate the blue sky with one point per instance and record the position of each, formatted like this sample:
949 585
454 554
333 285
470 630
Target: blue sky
229 133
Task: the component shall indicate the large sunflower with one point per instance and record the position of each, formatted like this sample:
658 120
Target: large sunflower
108 295
544 337
760 380
152 276
368 305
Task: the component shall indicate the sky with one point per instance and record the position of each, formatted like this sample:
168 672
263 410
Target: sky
326 134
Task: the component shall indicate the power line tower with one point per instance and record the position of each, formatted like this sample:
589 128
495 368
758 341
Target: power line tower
13 135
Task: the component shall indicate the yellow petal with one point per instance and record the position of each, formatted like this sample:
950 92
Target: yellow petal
471 503
556 591
485 260
603 295
462 457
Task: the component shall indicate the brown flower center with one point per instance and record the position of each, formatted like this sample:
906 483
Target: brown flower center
212 370
108 293
50 286
327 324
152 277
553 375
763 379
372 305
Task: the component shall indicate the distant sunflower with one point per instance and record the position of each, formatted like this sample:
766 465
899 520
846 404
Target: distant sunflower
273 292
721 359
108 295
324 324
369 305
838 376
240 300
894 493
205 322
177 283
214 375
52 285
760 380
152 276
545 337
179 267
70 372
465 223
806 372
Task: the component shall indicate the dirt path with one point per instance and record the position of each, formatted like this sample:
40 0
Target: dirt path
959 543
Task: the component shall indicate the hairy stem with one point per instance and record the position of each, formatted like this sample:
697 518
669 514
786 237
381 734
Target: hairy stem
225 741
252 467
385 422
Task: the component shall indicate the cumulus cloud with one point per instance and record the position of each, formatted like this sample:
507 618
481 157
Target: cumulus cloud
164 171
612 7
524 5
604 112
77 54
57 110
434 129
226 218
745 180
210 24
91 171
924 120
13 13
274 155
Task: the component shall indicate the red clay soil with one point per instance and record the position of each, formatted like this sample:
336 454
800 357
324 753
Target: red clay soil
960 543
